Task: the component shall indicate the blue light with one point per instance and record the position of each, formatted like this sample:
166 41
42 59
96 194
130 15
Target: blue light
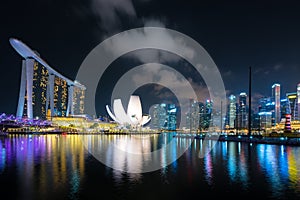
173 110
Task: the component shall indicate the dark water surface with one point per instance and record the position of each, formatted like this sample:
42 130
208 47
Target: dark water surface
62 167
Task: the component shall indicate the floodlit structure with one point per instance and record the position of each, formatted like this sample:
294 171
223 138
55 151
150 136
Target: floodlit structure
276 99
133 117
43 91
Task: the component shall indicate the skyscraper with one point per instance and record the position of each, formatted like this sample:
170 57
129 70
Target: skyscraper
292 100
276 99
199 115
164 116
193 116
43 91
232 111
158 116
285 107
265 119
171 117
266 106
242 117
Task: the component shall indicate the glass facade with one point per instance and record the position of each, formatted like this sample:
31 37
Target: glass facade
232 111
292 99
171 124
41 90
199 115
158 116
276 99
60 97
164 116
242 114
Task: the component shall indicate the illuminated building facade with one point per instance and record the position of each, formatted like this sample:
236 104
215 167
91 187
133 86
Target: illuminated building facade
60 97
158 116
276 99
193 116
232 111
77 99
206 112
43 94
199 115
292 102
43 91
265 119
242 116
266 105
287 124
133 117
285 107
164 116
171 124
39 91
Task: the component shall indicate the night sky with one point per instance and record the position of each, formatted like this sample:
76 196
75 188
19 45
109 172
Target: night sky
237 34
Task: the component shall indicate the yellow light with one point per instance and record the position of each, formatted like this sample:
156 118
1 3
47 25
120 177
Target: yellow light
292 96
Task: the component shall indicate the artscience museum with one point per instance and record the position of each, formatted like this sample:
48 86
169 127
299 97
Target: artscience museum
133 117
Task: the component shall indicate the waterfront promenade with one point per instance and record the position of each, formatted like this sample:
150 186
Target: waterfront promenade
280 139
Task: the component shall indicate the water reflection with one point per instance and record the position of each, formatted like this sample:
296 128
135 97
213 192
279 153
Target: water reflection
278 165
56 166
43 163
136 153
281 166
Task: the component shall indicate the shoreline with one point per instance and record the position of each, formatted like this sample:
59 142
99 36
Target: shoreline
79 133
258 139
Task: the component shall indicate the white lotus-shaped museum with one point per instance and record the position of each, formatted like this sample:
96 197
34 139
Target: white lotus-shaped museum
133 117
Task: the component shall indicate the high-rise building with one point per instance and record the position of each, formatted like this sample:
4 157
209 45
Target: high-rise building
171 117
285 107
292 100
60 97
199 115
43 91
43 94
276 99
232 111
267 104
242 117
77 100
164 116
193 116
158 116
205 112
39 91
265 119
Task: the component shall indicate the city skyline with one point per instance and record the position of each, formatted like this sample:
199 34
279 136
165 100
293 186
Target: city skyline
266 40
155 99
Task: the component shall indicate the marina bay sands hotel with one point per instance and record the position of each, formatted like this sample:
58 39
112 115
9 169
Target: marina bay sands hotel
43 91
